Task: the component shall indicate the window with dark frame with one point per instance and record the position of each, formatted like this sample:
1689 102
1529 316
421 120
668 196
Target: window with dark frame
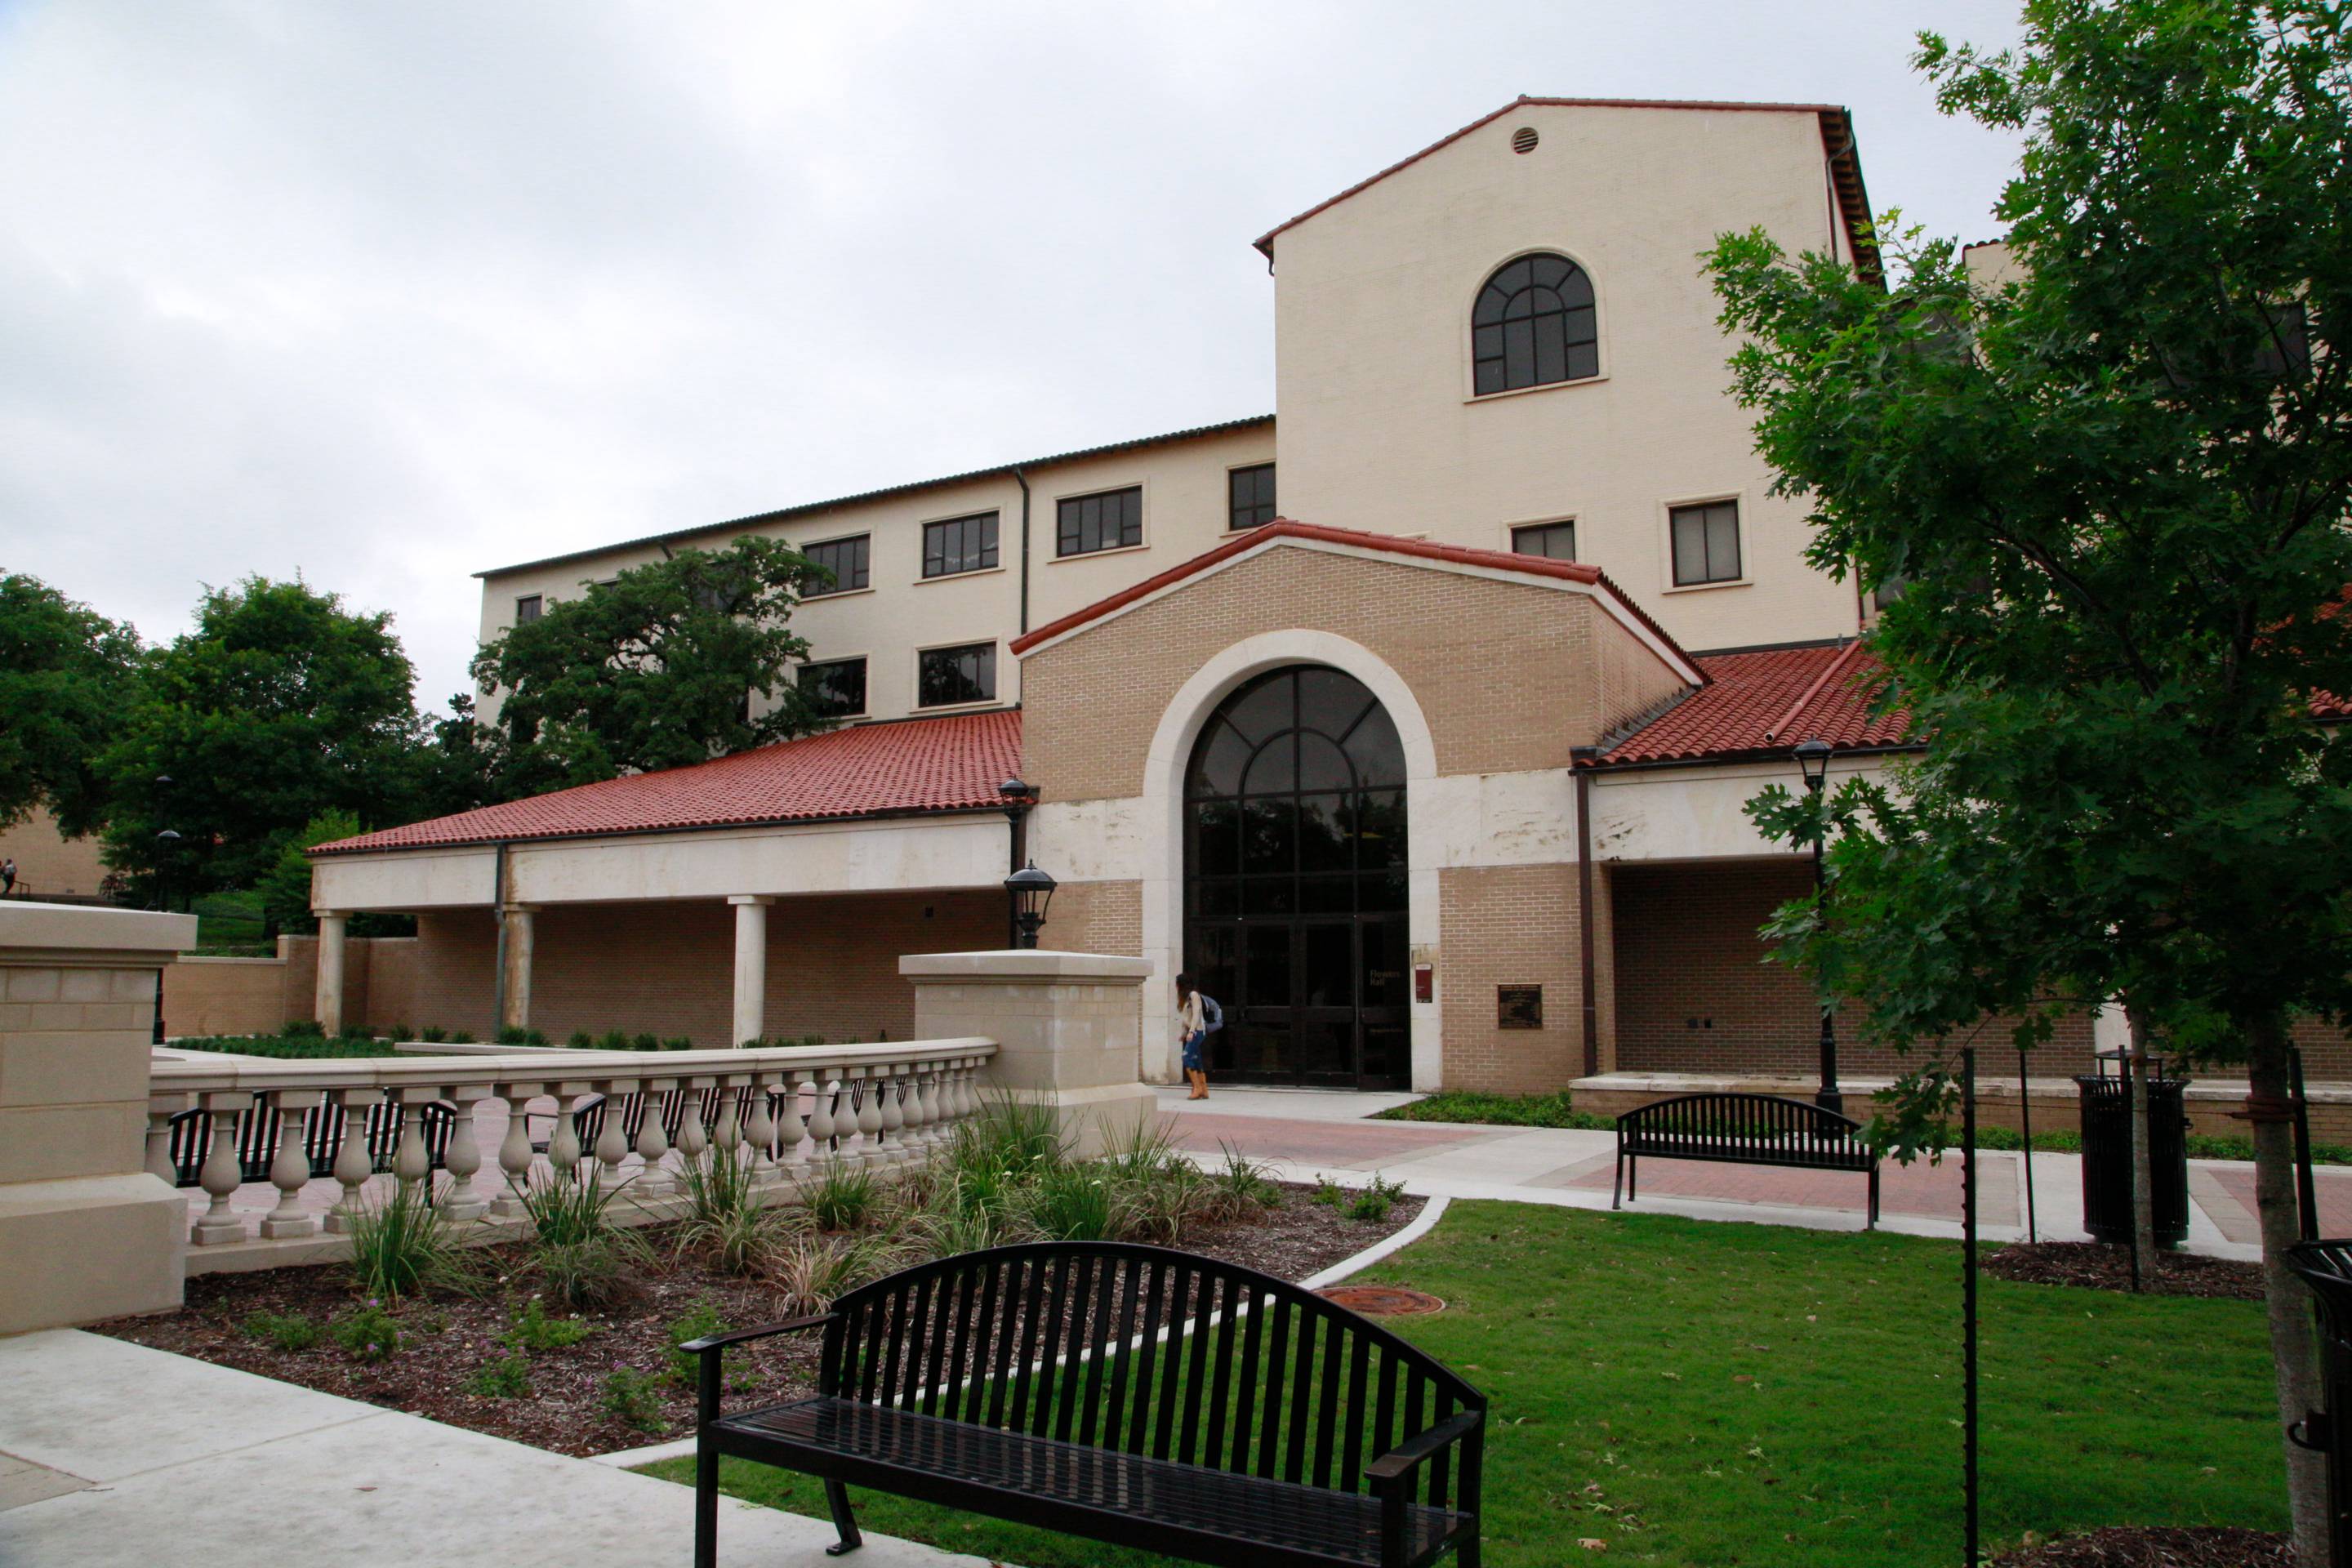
1251 493
1705 542
947 676
846 559
1112 520
835 688
530 607
960 544
1534 324
1553 540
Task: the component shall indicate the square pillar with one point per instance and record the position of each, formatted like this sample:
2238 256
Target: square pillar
1068 1029
514 987
751 967
329 998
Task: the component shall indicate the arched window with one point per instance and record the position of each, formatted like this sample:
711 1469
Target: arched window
1533 325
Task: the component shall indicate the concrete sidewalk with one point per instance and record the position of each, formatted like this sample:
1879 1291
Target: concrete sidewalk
112 1453
1304 1132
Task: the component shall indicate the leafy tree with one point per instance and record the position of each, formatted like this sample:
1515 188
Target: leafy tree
654 669
280 704
285 888
66 676
2114 486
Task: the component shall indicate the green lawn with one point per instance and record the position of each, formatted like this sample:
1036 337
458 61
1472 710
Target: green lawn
1734 1395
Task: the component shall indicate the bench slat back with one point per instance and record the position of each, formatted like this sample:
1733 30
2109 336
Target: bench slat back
1747 1126
1147 1351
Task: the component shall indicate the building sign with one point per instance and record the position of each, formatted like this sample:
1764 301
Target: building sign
1519 1006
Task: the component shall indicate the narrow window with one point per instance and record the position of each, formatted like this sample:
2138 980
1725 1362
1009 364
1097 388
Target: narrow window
960 544
1706 543
1110 520
948 676
1554 541
834 688
1533 324
1251 491
845 558
527 608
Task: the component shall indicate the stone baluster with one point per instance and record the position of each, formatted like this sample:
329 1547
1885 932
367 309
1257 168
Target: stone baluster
890 1084
464 1160
563 1141
921 1112
159 1139
655 1179
612 1136
790 1130
693 1138
352 1166
514 1150
220 1175
763 1130
726 1132
865 1092
972 1103
411 1162
821 1127
290 1167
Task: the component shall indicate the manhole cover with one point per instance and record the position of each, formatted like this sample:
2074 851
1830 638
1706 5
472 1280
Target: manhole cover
1382 1300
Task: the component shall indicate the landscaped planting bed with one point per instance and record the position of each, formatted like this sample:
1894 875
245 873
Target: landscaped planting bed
569 1344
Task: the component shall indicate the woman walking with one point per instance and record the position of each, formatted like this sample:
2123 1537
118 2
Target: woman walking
1197 1017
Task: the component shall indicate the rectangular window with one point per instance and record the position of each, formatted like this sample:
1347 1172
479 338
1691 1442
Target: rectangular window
1106 521
1553 540
835 689
948 676
960 544
1251 491
527 608
1706 543
845 558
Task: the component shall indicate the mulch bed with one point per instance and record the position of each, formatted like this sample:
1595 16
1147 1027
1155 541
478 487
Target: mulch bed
2104 1268
2123 1547
449 1339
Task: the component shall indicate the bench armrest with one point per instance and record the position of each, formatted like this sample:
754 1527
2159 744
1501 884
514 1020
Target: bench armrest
1408 1456
735 1337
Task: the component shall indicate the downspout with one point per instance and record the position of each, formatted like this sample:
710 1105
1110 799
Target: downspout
1582 760
499 913
1019 479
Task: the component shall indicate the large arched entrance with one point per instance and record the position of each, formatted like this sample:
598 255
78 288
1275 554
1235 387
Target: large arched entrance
1294 882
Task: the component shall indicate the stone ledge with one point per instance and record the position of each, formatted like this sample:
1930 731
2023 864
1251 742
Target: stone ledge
1026 965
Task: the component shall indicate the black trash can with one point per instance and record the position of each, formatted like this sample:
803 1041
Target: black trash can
2327 1268
2106 1158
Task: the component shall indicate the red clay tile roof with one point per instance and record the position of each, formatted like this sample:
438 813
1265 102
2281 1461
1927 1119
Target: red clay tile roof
952 763
1762 704
1837 141
1421 549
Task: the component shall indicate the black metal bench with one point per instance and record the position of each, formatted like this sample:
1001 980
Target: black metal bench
1745 1130
1130 1395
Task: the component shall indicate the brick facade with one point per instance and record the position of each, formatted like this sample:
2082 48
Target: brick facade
1511 925
1095 917
668 969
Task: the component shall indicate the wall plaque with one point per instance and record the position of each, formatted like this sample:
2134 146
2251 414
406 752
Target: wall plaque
1519 1006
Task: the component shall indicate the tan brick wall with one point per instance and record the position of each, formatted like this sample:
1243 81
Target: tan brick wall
1095 917
1634 682
1469 648
1697 995
48 863
668 969
1511 925
260 995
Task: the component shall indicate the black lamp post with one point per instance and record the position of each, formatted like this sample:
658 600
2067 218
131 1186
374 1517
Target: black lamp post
1019 797
1031 890
167 844
1813 760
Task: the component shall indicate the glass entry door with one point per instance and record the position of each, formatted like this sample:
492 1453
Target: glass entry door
1294 883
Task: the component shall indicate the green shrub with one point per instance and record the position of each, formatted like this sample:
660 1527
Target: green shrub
724 1215
841 1196
677 1042
632 1398
1075 1203
1009 1136
357 1032
368 1334
1328 1193
700 1319
582 1257
433 1034
513 1035
533 1330
304 1029
462 1037
582 1040
287 1331
612 1040
404 1243
647 1042
809 1271
398 1032
1238 1188
1373 1202
506 1378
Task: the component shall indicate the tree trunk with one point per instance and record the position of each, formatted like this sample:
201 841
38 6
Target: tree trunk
2143 1180
2293 1344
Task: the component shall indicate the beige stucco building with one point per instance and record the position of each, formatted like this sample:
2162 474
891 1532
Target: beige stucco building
1416 719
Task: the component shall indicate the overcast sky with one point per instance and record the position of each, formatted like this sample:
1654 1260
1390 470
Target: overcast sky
388 293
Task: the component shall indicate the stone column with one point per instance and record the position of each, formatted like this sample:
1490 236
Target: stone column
518 918
328 1008
86 1231
750 966
1068 1029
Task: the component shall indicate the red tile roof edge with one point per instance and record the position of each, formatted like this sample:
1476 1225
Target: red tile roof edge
1853 201
1422 549
1747 686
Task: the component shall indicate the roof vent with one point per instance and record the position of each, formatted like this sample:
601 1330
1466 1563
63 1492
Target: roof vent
1523 139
